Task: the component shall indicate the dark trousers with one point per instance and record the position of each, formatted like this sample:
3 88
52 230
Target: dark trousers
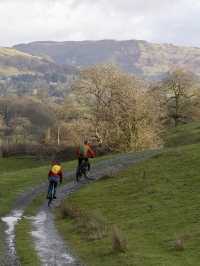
80 159
51 183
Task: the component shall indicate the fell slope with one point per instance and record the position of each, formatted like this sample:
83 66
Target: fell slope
137 57
25 74
13 62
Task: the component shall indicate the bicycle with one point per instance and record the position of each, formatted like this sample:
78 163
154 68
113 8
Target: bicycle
83 171
51 193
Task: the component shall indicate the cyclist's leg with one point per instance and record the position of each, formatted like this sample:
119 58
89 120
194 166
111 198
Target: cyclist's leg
49 188
55 187
80 160
78 167
88 163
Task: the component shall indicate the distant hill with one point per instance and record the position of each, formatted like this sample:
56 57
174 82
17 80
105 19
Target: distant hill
16 62
22 73
138 57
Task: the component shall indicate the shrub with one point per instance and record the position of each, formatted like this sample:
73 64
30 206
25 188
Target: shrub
40 151
69 211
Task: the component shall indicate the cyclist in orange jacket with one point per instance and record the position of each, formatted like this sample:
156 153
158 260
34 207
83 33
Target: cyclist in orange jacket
84 152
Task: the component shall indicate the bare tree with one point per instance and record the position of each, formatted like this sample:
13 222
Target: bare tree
114 107
178 87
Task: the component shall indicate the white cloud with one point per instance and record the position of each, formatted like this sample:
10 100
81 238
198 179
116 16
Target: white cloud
154 20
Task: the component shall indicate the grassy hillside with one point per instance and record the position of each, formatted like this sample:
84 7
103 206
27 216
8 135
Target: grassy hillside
183 135
154 204
28 75
13 62
24 73
138 57
25 63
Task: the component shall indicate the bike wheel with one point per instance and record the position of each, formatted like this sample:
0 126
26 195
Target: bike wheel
85 173
78 175
49 202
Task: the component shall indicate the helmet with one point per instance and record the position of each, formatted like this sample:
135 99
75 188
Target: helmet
55 162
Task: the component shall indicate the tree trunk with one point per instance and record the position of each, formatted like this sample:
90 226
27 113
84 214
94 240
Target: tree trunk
58 136
176 110
48 135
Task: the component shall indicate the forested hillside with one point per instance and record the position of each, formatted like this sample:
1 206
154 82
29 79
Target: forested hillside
24 74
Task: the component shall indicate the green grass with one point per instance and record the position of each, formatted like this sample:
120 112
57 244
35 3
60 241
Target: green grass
12 184
183 135
12 164
154 203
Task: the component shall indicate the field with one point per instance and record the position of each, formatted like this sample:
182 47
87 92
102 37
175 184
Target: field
155 205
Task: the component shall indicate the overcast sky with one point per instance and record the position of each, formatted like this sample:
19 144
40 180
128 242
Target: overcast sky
171 21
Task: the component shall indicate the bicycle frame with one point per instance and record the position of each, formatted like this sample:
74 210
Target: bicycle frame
83 171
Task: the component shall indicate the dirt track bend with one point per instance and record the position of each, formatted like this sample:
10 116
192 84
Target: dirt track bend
50 246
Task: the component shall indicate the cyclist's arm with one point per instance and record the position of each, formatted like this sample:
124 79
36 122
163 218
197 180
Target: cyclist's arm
91 152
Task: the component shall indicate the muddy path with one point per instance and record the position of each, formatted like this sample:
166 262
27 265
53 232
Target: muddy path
9 222
49 245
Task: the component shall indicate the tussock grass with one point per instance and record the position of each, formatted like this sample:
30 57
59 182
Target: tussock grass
119 242
179 245
91 225
68 210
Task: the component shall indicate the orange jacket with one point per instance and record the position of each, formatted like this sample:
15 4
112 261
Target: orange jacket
85 151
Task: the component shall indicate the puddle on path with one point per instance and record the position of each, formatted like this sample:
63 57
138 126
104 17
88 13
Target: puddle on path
49 245
11 220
